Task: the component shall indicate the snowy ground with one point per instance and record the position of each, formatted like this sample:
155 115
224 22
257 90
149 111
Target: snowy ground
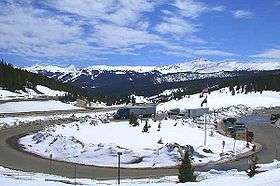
214 178
16 121
223 98
95 143
31 106
29 93
49 92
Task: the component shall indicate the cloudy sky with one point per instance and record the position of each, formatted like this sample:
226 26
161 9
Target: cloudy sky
138 32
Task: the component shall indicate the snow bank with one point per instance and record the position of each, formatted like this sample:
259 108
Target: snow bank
32 106
224 98
6 93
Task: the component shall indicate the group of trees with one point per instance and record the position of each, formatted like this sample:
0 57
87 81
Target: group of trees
12 79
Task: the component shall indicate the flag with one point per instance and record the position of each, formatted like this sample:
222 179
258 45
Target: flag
204 101
204 91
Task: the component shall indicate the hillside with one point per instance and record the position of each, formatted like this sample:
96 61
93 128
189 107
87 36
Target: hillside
15 79
122 81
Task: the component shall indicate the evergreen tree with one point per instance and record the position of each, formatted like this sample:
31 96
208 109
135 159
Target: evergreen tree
133 100
186 172
146 127
133 120
252 171
159 126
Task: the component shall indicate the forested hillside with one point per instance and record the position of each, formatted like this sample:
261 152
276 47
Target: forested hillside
12 78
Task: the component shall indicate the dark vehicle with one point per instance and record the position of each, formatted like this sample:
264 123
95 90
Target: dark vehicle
173 112
230 120
138 110
274 118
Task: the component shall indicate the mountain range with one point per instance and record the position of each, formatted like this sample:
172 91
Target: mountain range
150 80
200 65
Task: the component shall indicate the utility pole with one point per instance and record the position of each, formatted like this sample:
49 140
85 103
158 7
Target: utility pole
119 167
75 173
50 165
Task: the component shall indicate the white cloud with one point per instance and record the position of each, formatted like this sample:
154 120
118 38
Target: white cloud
213 53
113 36
243 14
193 9
120 12
176 25
273 53
183 21
29 32
87 29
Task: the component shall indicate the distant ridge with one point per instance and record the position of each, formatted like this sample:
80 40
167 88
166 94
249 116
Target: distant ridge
200 65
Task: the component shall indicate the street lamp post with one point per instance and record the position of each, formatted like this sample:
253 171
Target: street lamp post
119 167
50 165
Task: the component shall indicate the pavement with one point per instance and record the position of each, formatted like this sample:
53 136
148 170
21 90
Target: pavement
13 156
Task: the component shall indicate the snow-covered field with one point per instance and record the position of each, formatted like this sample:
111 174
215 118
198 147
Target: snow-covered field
95 143
49 92
270 177
31 106
29 93
223 98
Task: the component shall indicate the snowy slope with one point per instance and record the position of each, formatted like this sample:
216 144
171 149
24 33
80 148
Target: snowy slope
205 66
51 68
49 92
32 106
223 98
30 93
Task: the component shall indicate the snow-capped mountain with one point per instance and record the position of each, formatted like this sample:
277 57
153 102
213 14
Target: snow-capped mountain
119 79
200 65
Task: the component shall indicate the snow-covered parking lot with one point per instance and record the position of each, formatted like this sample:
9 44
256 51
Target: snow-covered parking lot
94 143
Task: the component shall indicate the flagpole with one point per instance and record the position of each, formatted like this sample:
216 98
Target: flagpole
205 132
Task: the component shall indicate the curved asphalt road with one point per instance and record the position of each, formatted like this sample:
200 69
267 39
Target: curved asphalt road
14 157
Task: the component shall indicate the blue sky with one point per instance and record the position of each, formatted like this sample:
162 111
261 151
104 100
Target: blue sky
138 32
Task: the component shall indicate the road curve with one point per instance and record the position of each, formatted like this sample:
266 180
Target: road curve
14 157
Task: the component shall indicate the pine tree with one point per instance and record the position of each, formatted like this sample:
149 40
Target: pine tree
146 127
252 171
186 172
133 100
133 120
159 126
